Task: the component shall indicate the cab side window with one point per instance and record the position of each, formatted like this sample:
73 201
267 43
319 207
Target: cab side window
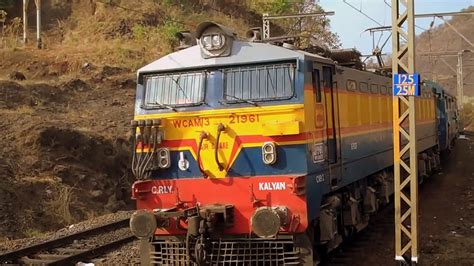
316 85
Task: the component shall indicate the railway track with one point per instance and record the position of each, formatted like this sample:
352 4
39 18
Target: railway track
73 248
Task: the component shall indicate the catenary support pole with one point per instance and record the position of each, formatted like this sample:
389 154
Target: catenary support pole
460 81
404 136
39 43
25 21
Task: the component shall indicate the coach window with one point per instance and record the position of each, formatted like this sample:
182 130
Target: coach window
316 85
374 88
364 87
383 89
351 85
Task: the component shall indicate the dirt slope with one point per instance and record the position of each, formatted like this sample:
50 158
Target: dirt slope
64 152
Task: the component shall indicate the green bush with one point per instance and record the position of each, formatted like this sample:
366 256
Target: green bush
279 6
168 32
139 31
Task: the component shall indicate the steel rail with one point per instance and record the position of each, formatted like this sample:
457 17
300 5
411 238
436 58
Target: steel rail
94 252
62 241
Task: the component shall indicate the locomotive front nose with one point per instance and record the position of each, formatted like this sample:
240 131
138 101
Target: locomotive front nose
143 224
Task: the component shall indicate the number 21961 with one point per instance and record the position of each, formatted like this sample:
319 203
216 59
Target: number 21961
241 119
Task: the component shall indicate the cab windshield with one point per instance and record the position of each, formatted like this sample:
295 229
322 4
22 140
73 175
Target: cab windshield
249 83
175 89
259 83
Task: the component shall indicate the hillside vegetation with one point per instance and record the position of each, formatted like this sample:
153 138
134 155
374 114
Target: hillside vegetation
133 33
440 39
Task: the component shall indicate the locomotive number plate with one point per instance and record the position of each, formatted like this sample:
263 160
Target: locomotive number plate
318 153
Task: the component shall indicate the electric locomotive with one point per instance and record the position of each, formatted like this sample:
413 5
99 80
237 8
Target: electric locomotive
247 152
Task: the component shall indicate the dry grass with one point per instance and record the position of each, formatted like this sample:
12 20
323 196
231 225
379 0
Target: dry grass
128 34
22 110
60 205
467 116
31 232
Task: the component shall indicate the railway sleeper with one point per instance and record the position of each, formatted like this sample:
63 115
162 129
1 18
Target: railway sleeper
69 250
51 257
29 261
43 258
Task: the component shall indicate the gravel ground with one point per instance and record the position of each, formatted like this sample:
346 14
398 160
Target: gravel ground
75 228
446 219
128 254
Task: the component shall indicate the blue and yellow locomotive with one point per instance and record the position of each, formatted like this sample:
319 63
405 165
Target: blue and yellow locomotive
248 152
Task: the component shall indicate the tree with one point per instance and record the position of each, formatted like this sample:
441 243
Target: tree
313 30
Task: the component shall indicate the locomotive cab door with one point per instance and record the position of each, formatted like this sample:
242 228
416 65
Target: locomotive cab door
332 125
326 99
331 121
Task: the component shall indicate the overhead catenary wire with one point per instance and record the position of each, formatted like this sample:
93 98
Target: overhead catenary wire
360 11
386 3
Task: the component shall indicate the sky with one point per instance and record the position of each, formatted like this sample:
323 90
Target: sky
349 24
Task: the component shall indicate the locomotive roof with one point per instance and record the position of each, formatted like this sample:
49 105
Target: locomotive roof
438 88
242 53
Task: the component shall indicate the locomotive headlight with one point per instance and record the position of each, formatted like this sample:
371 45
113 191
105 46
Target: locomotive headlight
215 40
163 155
269 155
218 40
206 42
212 41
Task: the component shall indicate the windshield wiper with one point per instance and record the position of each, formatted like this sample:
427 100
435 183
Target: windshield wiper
242 100
176 81
166 106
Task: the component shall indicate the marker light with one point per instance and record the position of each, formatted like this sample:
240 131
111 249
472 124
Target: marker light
164 158
269 155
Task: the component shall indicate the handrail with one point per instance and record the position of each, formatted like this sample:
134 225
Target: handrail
220 128
202 136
